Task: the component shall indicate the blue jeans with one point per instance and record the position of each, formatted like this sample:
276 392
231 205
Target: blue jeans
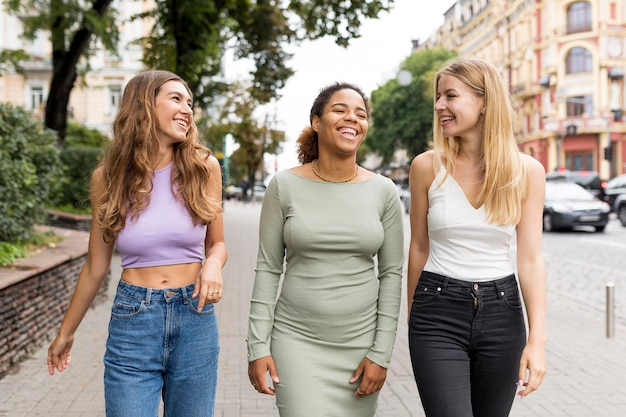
466 341
159 345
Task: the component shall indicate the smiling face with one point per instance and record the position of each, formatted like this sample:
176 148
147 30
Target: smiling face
343 123
458 108
173 111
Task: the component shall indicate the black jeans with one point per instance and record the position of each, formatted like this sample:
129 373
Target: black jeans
466 341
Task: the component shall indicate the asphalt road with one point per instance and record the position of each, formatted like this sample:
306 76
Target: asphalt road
580 263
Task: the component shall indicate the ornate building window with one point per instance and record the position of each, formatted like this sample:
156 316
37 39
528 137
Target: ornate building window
579 17
114 96
35 99
577 106
578 60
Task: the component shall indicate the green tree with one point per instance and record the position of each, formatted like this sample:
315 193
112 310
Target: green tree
76 29
190 37
255 138
402 114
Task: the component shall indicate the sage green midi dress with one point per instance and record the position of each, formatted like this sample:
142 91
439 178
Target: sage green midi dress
341 248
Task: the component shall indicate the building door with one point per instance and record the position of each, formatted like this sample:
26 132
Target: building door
579 161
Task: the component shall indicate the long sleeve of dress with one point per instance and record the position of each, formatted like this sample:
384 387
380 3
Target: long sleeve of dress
269 269
390 264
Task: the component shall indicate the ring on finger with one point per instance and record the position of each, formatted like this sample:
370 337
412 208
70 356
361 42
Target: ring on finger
358 391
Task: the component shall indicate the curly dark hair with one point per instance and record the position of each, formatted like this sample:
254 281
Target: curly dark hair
307 141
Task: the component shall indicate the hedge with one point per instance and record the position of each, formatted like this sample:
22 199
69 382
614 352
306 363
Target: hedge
30 172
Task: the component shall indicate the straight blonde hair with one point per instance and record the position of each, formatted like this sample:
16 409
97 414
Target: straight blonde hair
505 175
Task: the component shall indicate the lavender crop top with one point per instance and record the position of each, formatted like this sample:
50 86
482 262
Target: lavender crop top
164 233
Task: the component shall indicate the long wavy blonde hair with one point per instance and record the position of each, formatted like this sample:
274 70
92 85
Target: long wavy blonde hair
130 160
505 184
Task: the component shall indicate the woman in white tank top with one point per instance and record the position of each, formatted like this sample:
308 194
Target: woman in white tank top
470 196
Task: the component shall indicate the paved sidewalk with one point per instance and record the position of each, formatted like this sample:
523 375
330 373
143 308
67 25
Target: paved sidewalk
586 371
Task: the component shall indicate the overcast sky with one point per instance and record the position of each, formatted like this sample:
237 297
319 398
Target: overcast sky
369 62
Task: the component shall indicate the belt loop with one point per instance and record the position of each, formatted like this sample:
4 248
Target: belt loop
185 294
500 284
497 285
444 284
148 295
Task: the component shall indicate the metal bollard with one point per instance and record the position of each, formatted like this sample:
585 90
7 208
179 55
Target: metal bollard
610 309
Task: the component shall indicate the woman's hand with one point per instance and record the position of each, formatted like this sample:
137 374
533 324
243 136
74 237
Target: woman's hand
532 368
372 378
256 373
208 284
59 354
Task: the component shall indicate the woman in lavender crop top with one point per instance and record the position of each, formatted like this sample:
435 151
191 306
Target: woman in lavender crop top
156 195
472 196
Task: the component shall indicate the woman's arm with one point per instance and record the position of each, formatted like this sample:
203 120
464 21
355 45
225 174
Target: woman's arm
90 280
421 176
532 276
269 268
209 283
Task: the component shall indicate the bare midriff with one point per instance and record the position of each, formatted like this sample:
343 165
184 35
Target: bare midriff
168 276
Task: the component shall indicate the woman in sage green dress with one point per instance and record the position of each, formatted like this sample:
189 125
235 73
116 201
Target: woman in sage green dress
333 231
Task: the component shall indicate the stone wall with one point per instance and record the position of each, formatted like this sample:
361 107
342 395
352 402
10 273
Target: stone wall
69 220
35 292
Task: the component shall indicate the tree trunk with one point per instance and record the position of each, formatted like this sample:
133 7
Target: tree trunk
64 73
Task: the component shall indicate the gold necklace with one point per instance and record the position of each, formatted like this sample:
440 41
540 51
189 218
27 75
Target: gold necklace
356 172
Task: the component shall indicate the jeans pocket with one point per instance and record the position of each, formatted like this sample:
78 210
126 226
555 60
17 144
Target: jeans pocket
193 306
511 298
425 294
125 306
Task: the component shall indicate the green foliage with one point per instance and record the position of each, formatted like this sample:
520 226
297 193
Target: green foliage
30 172
402 115
83 136
255 139
189 37
10 251
256 30
82 151
65 19
337 18
11 59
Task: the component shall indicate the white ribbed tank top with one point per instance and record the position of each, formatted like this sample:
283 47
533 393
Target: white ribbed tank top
462 244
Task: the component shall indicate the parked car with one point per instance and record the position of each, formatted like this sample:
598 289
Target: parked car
614 188
568 205
232 192
620 208
589 180
258 191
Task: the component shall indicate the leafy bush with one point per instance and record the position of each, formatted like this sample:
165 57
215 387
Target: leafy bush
10 252
30 172
83 148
